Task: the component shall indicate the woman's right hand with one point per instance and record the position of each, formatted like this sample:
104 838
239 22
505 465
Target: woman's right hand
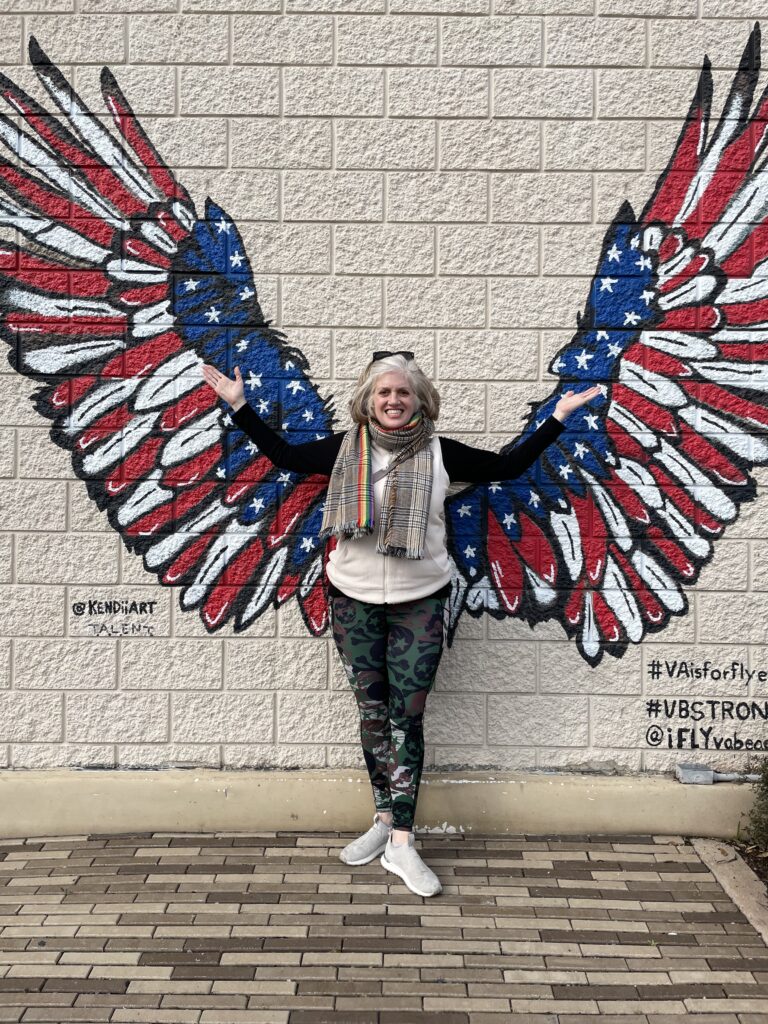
231 391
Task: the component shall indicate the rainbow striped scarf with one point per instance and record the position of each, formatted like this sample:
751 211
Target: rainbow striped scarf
349 504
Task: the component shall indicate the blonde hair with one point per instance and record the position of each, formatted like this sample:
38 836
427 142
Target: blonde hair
427 397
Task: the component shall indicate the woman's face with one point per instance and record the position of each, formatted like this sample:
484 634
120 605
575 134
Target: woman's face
394 401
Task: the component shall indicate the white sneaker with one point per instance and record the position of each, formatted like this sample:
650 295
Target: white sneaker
367 846
404 860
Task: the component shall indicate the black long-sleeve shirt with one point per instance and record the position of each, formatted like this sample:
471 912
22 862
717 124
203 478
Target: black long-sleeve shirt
462 462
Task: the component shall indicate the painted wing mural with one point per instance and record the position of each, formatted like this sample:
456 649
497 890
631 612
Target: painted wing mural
117 294
624 509
118 290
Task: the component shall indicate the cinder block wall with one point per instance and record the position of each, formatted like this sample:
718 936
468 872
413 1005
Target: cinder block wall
426 174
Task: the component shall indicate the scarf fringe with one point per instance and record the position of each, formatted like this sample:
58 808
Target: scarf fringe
397 552
351 531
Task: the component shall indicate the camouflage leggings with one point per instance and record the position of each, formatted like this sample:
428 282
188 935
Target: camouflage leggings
390 653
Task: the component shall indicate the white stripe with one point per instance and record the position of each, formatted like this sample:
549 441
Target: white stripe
652 385
119 444
45 162
619 599
699 486
637 430
98 138
267 587
169 381
684 531
641 481
59 357
590 638
189 441
143 498
616 522
728 127
677 343
98 401
219 556
47 233
658 581
135 270
59 306
693 290
158 237
741 375
746 289
151 320
725 432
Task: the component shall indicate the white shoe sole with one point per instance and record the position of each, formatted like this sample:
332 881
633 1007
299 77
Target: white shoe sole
397 871
365 860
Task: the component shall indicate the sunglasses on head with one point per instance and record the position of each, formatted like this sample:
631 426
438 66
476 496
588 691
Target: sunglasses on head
383 355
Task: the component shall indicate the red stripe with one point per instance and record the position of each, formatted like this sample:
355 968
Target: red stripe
609 625
287 588
315 608
692 268
141 360
104 180
746 312
594 536
136 249
752 251
133 133
74 326
574 607
649 605
691 318
710 458
134 467
71 391
535 550
247 479
106 425
726 401
188 558
671 551
189 407
296 504
239 572
145 296
506 571
656 362
195 469
652 415
751 352
49 203
676 179
627 499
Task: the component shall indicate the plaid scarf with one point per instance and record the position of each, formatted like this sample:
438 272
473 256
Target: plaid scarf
348 509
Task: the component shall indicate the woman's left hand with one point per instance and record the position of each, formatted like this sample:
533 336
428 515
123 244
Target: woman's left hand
571 401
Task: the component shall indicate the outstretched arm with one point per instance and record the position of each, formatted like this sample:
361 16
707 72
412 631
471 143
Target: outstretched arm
478 465
311 457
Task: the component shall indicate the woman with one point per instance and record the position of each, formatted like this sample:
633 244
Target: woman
389 574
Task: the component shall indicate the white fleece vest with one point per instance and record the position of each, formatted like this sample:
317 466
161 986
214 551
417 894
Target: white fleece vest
360 571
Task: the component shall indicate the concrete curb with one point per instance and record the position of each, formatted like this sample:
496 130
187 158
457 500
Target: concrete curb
65 802
746 890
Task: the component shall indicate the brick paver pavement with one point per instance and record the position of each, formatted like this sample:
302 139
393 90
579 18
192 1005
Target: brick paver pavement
271 927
